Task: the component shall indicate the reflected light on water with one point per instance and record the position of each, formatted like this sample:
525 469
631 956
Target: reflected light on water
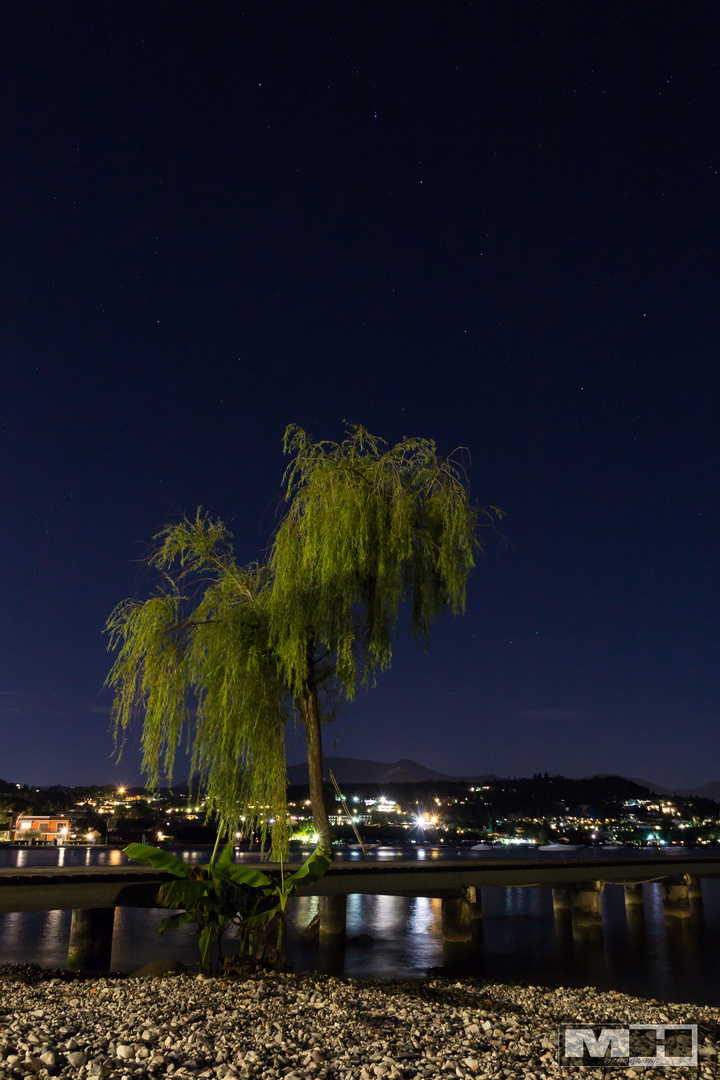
136 939
35 937
53 929
425 916
302 910
382 915
656 941
517 901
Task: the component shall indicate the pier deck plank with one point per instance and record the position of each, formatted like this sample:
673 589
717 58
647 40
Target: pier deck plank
45 889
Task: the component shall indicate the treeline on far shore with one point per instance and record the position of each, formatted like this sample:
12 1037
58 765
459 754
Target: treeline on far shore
543 807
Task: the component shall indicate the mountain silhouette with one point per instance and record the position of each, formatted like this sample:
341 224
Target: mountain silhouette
366 771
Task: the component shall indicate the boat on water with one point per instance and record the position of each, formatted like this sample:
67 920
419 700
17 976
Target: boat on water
558 847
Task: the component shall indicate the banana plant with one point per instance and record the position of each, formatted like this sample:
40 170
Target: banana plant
275 895
224 894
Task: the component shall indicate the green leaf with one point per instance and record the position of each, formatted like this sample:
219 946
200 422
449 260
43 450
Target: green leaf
245 875
206 936
254 922
161 860
186 893
173 922
226 859
311 870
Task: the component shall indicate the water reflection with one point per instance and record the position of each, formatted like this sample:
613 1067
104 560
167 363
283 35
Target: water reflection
644 952
424 916
302 910
34 937
53 929
385 853
354 914
136 940
383 916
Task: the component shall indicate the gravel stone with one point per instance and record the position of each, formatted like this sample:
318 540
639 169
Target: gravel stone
312 1027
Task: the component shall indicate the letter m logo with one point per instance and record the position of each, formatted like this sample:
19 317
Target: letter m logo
582 1041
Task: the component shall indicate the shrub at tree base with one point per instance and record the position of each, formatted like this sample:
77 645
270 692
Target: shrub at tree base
224 894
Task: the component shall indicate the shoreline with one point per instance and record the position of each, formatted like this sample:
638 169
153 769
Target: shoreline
296 1026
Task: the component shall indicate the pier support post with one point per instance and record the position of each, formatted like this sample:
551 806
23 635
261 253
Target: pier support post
635 914
682 896
91 932
676 901
462 917
561 903
695 897
462 929
332 912
634 895
586 908
563 920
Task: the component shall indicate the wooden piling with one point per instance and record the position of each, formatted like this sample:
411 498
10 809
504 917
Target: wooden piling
91 932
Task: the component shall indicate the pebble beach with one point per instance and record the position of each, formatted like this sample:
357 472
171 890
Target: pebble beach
265 1025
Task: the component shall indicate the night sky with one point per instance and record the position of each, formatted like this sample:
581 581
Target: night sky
493 224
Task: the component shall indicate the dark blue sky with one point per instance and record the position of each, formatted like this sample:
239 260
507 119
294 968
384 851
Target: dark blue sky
494 225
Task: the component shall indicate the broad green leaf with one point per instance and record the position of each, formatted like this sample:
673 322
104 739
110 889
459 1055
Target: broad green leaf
187 893
161 860
311 870
226 859
172 922
245 875
254 922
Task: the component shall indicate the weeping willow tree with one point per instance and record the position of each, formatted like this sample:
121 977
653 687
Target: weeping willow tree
223 655
367 529
195 664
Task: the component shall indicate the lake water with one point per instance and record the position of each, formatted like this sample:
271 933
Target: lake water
522 942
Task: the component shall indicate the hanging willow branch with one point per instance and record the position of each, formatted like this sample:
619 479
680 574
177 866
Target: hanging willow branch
195 664
366 530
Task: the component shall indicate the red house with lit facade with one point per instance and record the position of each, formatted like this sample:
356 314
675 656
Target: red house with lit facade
51 829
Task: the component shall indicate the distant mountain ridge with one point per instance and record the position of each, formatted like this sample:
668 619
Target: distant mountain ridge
707 791
406 771
366 771
403 771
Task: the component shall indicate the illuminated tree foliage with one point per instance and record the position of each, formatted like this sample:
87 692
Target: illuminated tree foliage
366 529
195 664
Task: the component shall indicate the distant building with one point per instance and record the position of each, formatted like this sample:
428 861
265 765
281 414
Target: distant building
47 828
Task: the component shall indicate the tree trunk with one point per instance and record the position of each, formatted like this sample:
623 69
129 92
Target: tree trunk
311 718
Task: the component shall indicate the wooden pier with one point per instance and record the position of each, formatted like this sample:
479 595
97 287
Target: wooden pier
577 885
